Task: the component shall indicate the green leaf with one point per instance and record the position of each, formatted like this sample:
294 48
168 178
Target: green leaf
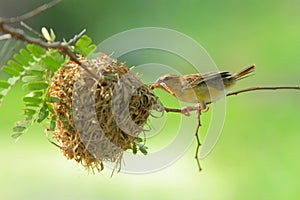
31 105
16 135
58 57
29 118
4 84
35 72
46 34
26 55
134 149
51 64
83 41
139 140
53 123
90 49
52 34
37 66
15 66
27 79
50 108
43 114
36 50
54 100
10 71
37 85
84 46
33 100
19 128
35 94
29 112
21 59
143 150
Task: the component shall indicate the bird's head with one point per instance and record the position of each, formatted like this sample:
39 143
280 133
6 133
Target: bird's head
168 82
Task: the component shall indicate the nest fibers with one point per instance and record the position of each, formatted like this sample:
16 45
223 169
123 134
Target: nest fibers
97 120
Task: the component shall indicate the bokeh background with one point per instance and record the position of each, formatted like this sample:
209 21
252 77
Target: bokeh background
257 155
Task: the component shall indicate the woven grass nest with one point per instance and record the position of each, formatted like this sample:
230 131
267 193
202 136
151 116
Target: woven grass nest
97 120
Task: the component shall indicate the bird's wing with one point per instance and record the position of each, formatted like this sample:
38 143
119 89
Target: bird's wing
191 81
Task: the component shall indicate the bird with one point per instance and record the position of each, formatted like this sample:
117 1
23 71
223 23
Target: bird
201 89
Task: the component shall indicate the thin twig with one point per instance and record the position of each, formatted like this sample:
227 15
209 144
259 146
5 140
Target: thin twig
177 110
174 110
73 40
30 13
198 140
117 165
264 88
29 28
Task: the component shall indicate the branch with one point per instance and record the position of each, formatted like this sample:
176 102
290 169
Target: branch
33 31
178 110
19 34
264 88
73 40
29 14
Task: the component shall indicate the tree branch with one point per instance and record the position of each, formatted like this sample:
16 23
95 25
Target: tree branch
29 14
177 110
264 88
19 34
33 31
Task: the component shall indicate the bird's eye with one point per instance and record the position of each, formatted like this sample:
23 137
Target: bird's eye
167 78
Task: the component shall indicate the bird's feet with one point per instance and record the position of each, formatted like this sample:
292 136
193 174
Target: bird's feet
186 110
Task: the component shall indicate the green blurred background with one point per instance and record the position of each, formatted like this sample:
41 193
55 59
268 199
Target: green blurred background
257 155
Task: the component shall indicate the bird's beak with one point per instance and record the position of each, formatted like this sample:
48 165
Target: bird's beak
155 85
162 85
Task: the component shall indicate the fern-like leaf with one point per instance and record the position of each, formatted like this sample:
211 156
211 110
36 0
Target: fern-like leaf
84 46
34 66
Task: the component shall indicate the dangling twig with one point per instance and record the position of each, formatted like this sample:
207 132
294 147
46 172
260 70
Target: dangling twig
177 110
198 140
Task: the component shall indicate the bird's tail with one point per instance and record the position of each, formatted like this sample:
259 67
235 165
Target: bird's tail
244 73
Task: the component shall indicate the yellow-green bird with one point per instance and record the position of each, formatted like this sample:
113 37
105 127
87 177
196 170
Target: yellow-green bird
200 88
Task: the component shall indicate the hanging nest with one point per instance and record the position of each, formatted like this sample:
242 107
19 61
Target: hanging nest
97 120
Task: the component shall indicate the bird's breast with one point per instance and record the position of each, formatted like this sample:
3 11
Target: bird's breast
198 95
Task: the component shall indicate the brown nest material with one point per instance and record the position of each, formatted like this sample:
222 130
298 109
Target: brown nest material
97 120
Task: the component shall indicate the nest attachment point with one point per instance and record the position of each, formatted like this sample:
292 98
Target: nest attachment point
97 120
